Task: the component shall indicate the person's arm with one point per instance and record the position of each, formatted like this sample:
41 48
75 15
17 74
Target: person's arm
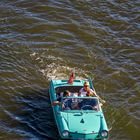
95 94
101 100
56 103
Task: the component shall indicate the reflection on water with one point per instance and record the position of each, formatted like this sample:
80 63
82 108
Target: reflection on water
41 40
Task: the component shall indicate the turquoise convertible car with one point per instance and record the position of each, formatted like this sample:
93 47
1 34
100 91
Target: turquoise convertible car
77 117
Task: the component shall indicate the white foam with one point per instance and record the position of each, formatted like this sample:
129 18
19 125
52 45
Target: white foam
57 69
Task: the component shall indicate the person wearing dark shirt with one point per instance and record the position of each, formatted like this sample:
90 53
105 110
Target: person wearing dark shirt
66 93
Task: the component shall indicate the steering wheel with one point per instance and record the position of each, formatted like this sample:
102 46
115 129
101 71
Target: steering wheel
87 107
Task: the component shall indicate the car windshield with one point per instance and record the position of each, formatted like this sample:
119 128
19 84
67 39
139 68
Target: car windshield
80 103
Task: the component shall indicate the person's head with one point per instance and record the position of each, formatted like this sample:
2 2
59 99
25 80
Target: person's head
86 85
66 93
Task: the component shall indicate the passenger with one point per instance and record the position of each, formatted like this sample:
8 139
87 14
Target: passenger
66 93
87 91
69 103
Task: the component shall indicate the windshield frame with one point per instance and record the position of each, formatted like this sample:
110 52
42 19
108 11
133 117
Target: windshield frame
81 98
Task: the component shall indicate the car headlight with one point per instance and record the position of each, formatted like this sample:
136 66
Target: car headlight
65 133
104 133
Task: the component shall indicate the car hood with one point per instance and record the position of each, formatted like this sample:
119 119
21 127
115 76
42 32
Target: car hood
81 122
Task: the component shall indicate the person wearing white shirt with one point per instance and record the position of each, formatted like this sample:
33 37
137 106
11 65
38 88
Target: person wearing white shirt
87 91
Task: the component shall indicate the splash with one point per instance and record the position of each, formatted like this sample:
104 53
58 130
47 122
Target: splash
57 68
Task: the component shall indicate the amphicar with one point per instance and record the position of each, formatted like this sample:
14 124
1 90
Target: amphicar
77 117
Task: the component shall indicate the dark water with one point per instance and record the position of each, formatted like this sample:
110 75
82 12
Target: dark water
46 39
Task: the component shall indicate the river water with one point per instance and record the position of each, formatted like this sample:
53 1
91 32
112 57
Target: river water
45 39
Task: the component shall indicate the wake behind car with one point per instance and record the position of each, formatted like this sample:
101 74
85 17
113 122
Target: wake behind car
77 117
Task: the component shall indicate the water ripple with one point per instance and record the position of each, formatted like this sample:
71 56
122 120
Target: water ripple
42 40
